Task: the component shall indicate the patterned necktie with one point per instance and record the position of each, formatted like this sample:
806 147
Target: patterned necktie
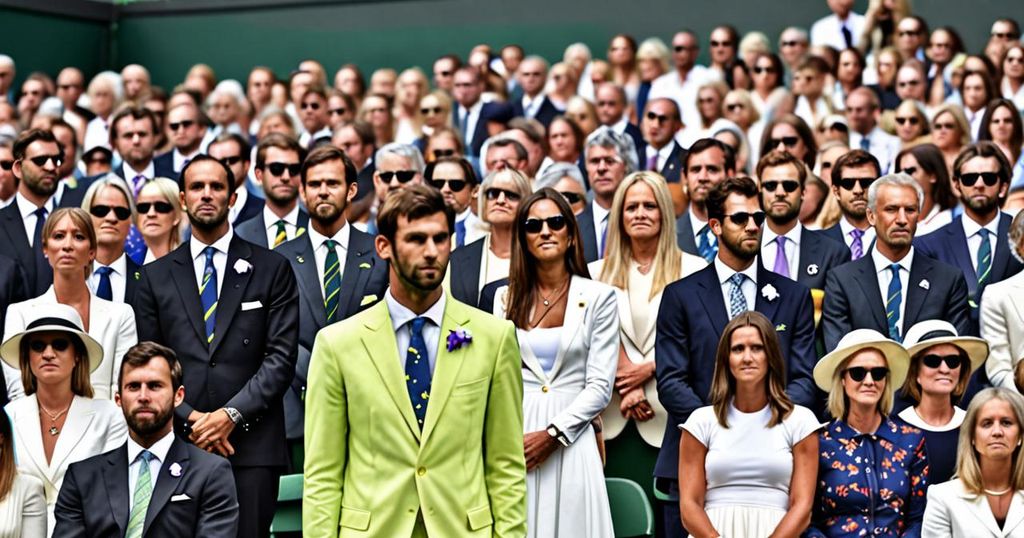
460 233
282 234
143 493
332 280
984 263
781 261
705 247
208 294
37 234
737 302
135 245
104 290
138 182
892 302
417 370
857 245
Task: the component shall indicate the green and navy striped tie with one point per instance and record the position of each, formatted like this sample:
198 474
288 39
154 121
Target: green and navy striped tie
984 263
143 492
208 294
332 280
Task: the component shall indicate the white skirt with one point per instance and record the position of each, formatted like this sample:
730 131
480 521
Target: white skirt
738 521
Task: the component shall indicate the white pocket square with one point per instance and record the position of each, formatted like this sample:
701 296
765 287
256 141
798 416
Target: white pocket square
182 497
253 305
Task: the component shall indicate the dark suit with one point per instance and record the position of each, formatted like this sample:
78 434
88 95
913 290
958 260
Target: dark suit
835 233
12 290
37 272
673 167
464 267
161 168
254 230
638 140
94 499
819 255
249 366
253 208
364 275
490 113
165 161
588 235
684 234
545 112
131 282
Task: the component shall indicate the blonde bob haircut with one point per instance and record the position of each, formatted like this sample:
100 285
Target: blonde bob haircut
839 403
968 469
619 254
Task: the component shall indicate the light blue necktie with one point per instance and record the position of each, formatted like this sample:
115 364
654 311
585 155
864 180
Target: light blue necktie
892 302
737 302
707 247
143 494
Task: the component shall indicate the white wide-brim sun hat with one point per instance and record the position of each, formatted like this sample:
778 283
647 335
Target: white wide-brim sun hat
896 357
53 317
933 332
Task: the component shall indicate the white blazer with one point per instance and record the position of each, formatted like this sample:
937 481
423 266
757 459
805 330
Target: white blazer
640 349
111 324
92 427
953 512
1002 324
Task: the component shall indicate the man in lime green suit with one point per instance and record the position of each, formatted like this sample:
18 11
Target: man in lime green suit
395 449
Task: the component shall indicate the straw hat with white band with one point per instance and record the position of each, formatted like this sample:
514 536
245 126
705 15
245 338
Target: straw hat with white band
933 332
858 340
53 317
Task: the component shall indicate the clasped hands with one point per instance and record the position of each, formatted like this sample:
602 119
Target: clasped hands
629 382
210 431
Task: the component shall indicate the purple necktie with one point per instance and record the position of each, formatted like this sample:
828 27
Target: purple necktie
857 245
652 163
781 262
137 183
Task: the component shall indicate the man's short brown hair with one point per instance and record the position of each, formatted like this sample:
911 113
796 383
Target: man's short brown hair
781 158
412 202
326 153
279 141
136 112
140 354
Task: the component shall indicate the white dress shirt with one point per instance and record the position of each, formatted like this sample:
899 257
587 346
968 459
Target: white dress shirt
28 217
600 223
475 228
769 248
305 139
531 105
291 223
749 286
241 195
662 155
884 275
474 117
684 92
401 317
1008 93
974 119
971 230
179 159
319 242
865 240
220 257
129 173
881 144
697 225
118 278
159 451
812 114
828 30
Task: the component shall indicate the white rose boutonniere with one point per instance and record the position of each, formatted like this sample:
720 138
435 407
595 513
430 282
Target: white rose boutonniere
242 266
769 292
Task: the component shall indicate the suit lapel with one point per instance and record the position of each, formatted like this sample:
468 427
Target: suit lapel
307 276
79 419
684 235
447 365
761 303
115 478
626 322
354 277
1015 515
166 482
917 291
1003 265
670 163
382 348
575 308
957 243
868 283
711 297
26 422
232 289
184 277
468 284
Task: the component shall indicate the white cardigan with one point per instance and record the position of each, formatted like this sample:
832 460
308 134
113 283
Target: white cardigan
1002 325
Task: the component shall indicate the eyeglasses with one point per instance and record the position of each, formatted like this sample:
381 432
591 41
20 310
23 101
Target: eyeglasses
278 169
6 165
438 153
58 345
790 43
534 226
858 373
912 120
682 48
943 126
311 106
933 361
429 111
494 193
758 70
178 125
989 178
742 218
231 160
732 107
788 185
906 33
455 185
1004 35
660 118
40 160
161 207
571 197
716 44
847 183
403 176
101 211
788 141
339 111
910 170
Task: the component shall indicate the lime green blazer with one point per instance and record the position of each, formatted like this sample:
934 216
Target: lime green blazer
371 472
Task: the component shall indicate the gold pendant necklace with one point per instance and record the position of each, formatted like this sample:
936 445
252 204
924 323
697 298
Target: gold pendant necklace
54 430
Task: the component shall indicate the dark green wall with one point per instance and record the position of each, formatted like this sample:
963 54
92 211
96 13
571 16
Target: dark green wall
44 42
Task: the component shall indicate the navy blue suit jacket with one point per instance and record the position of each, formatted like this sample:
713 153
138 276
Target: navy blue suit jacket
673 167
545 113
254 230
165 162
490 112
253 207
819 255
464 266
684 234
638 141
585 220
690 322
36 271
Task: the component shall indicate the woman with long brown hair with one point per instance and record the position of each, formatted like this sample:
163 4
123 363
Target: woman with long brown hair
925 163
22 505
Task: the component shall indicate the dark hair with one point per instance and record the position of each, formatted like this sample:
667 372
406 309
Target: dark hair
816 63
802 130
629 39
360 79
135 112
715 202
26 138
533 129
1016 137
704 144
1014 25
315 89
729 70
413 202
457 62
8 469
522 269
912 388
852 158
577 132
81 383
675 108
929 158
363 130
924 30
202 157
990 86
860 62
957 41
59 122
467 169
780 70
521 153
327 153
279 141
243 144
781 158
140 354
984 149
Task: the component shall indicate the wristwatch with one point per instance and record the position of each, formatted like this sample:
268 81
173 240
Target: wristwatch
233 414
558 435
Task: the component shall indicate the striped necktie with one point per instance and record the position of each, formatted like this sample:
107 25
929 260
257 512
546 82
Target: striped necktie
984 264
332 280
208 294
143 493
892 302
282 234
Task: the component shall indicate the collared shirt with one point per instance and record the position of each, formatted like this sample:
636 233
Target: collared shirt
971 230
28 217
220 257
884 275
600 222
881 144
474 117
306 139
769 248
829 30
319 242
531 105
475 228
129 173
974 119
401 317
7 202
179 159
812 113
865 240
159 451
749 286
291 223
697 225
118 278
241 196
684 92
662 154
620 126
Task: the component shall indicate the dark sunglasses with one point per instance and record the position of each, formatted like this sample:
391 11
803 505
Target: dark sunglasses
339 111
571 197
438 153
456 185
429 111
989 178
905 33
735 106
857 373
791 43
161 207
788 185
494 192
681 48
743 217
661 119
58 344
180 124
848 182
101 211
721 43
1005 35
404 176
6 165
788 141
278 168
534 226
910 170
40 160
933 361
230 160
913 120
311 106
759 70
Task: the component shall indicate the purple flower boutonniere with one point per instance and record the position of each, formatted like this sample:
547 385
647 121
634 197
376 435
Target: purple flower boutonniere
458 337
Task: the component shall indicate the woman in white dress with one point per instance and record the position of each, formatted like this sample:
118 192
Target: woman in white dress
749 460
568 329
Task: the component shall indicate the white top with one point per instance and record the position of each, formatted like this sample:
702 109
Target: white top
910 416
972 231
28 216
748 287
492 267
600 226
684 92
935 219
736 474
220 257
319 242
881 144
544 343
159 451
885 277
149 172
178 158
828 30
118 278
401 318
809 114
23 511
1008 93
769 248
291 224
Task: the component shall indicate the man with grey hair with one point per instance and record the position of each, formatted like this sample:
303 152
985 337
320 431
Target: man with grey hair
609 158
398 166
7 73
567 179
531 76
894 287
793 45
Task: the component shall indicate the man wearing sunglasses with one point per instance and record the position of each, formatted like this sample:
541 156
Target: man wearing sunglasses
609 157
862 112
893 286
398 166
977 241
315 116
133 136
8 182
695 309
534 104
793 44
456 180
681 84
852 174
278 164
708 162
109 204
187 128
662 153
911 33
233 150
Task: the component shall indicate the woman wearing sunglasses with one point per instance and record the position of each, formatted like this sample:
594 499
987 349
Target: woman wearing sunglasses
58 422
435 112
950 132
790 133
941 363
872 468
159 217
69 243
568 329
925 163
912 124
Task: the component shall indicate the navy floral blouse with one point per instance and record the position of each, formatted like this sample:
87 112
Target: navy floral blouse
870 484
